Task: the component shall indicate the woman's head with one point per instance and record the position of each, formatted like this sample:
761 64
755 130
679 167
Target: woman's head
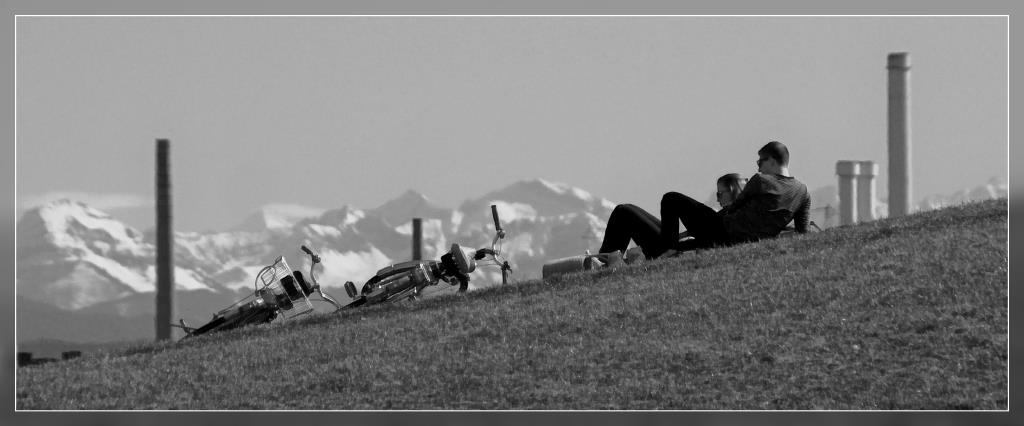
729 187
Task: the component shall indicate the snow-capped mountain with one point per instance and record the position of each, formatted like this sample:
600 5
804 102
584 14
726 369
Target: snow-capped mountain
79 259
995 188
410 204
277 217
543 221
82 261
64 244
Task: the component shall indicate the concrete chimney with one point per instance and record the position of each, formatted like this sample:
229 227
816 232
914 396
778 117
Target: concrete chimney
899 134
847 171
866 191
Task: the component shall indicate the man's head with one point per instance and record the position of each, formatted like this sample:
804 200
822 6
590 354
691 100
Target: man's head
772 158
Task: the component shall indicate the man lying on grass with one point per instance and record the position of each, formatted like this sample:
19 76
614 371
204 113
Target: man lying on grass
770 200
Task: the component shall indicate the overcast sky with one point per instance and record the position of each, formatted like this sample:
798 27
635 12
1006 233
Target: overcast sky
327 111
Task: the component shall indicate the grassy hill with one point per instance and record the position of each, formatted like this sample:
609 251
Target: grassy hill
907 313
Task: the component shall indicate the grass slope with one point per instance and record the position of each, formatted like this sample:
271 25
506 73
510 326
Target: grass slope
906 313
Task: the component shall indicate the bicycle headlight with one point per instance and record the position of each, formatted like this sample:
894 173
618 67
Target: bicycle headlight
463 260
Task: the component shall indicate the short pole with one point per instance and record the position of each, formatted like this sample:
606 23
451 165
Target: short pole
164 242
847 171
417 239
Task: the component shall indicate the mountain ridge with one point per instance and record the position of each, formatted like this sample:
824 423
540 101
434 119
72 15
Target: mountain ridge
77 258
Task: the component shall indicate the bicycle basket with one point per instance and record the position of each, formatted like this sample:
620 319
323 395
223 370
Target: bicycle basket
278 286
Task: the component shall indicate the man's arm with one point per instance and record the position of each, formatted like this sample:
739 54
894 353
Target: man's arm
803 214
752 188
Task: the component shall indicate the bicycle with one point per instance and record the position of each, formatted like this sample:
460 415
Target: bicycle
407 280
278 291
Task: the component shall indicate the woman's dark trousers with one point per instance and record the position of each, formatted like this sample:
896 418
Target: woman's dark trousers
629 222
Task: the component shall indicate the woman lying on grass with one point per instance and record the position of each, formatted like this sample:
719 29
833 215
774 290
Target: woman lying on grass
629 222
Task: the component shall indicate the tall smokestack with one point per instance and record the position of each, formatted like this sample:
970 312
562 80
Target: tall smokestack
899 134
164 242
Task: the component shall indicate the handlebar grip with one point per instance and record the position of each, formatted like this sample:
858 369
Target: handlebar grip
480 254
313 256
494 214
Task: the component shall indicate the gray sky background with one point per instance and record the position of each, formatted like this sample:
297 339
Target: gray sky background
326 111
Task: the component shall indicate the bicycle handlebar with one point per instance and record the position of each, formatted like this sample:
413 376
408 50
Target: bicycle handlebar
312 276
494 214
314 256
497 223
499 234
